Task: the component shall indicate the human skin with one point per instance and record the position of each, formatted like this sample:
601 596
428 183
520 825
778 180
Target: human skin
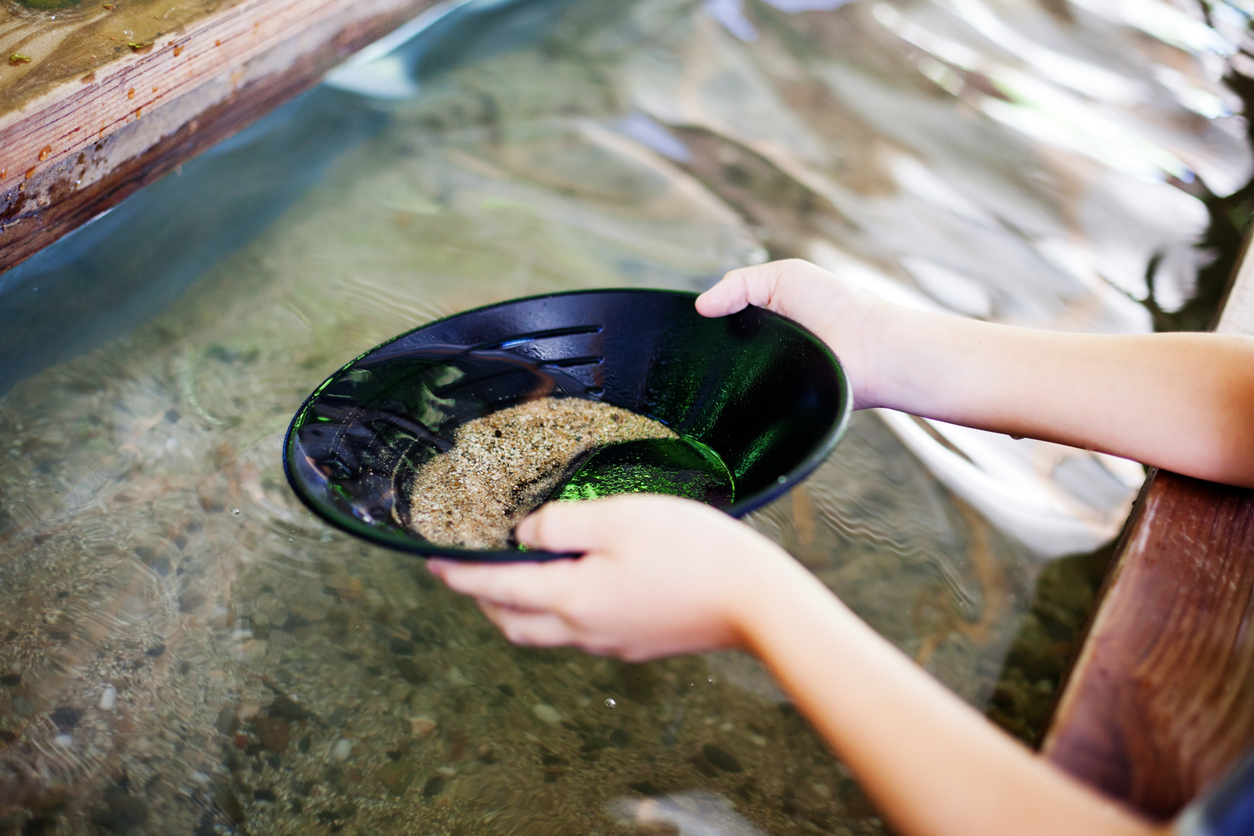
661 576
1182 401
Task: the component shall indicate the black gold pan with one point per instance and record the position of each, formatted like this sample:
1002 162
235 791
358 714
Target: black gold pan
763 393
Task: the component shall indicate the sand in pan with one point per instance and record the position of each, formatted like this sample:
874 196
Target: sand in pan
504 464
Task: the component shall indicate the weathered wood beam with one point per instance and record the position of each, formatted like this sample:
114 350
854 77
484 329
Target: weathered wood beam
69 149
1160 701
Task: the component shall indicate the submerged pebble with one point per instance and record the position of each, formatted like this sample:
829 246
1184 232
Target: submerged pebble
721 758
273 732
547 713
421 725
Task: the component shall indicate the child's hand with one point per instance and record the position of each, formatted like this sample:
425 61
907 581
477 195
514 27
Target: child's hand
839 313
659 576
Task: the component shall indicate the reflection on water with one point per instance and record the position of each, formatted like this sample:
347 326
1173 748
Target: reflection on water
187 650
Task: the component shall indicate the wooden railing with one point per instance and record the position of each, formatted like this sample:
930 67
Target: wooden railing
91 117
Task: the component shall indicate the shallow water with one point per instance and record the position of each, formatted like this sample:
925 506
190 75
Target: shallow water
186 649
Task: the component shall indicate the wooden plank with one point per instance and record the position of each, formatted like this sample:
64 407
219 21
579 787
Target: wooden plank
1160 701
70 149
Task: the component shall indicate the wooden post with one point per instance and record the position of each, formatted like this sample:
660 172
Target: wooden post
1160 701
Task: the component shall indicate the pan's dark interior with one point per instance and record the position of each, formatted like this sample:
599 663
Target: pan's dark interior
764 394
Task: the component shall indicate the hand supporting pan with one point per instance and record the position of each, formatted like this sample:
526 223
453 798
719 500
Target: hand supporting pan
761 392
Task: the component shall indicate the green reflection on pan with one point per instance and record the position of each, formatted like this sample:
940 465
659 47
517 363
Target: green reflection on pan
674 466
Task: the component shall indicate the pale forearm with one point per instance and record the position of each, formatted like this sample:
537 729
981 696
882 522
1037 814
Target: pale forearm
930 762
1180 401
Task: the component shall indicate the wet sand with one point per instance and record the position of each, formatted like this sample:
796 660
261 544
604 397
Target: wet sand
503 465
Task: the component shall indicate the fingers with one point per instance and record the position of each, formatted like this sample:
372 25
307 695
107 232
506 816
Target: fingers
568 526
604 526
760 285
730 295
534 629
525 586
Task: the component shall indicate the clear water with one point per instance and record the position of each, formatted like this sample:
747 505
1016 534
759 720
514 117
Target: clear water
185 649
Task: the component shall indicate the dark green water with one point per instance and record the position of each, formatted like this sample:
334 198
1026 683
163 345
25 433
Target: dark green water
673 466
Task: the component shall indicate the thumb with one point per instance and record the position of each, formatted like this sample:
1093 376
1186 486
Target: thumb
603 525
564 527
772 286
730 295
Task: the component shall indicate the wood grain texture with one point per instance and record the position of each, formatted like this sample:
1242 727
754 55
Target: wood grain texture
79 146
1160 701
62 45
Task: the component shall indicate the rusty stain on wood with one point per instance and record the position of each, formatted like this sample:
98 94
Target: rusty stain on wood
66 44
1160 701
95 108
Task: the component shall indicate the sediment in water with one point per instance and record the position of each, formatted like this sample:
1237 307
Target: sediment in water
506 463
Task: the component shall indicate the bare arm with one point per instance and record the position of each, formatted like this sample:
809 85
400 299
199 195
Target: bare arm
662 576
932 764
1180 401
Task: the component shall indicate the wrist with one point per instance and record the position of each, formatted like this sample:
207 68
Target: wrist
768 585
868 347
908 358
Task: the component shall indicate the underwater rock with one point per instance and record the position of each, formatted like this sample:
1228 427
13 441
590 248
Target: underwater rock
410 672
124 813
720 758
66 717
288 709
228 720
421 725
273 732
690 813
190 602
433 787
547 713
396 776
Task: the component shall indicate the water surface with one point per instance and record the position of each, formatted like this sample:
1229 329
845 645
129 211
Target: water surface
187 650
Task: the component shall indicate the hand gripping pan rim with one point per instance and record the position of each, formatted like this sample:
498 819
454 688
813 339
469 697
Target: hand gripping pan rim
654 347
